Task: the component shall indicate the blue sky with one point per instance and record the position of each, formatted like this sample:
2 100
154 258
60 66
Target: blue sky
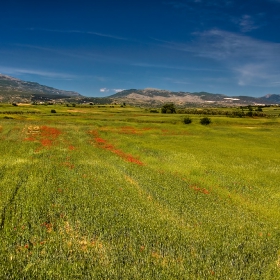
100 47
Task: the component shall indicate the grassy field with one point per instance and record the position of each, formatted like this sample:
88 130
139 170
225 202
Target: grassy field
121 193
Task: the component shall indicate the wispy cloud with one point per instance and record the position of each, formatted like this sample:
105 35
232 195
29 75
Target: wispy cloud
153 65
247 23
257 74
223 45
175 67
80 32
41 73
88 55
192 3
252 62
177 81
201 13
118 89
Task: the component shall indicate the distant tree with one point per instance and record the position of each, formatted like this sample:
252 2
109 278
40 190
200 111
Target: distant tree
53 111
153 111
168 108
187 120
205 121
250 108
14 104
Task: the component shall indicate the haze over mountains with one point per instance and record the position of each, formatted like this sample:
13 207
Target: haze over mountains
16 90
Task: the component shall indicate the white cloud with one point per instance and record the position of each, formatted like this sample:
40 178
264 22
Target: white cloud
108 89
118 89
104 90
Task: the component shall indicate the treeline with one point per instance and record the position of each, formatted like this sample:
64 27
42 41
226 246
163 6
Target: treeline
19 112
212 112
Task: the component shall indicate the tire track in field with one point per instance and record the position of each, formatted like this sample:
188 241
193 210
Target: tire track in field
10 201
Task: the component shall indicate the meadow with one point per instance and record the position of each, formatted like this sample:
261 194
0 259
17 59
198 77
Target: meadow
121 193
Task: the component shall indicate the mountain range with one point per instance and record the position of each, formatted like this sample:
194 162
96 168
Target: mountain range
16 90
157 97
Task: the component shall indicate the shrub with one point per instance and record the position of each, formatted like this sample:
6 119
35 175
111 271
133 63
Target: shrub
187 120
205 121
53 111
168 108
153 111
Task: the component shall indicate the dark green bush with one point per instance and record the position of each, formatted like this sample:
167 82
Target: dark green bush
205 121
53 111
187 120
168 108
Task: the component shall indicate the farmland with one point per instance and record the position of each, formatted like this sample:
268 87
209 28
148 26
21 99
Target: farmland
110 192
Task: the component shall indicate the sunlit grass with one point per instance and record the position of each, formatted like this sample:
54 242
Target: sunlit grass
202 205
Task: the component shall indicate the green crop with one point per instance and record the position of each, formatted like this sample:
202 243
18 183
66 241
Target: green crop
122 193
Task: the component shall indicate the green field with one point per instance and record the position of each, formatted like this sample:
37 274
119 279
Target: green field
122 193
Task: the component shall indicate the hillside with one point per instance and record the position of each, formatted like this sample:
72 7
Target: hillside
158 97
16 90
